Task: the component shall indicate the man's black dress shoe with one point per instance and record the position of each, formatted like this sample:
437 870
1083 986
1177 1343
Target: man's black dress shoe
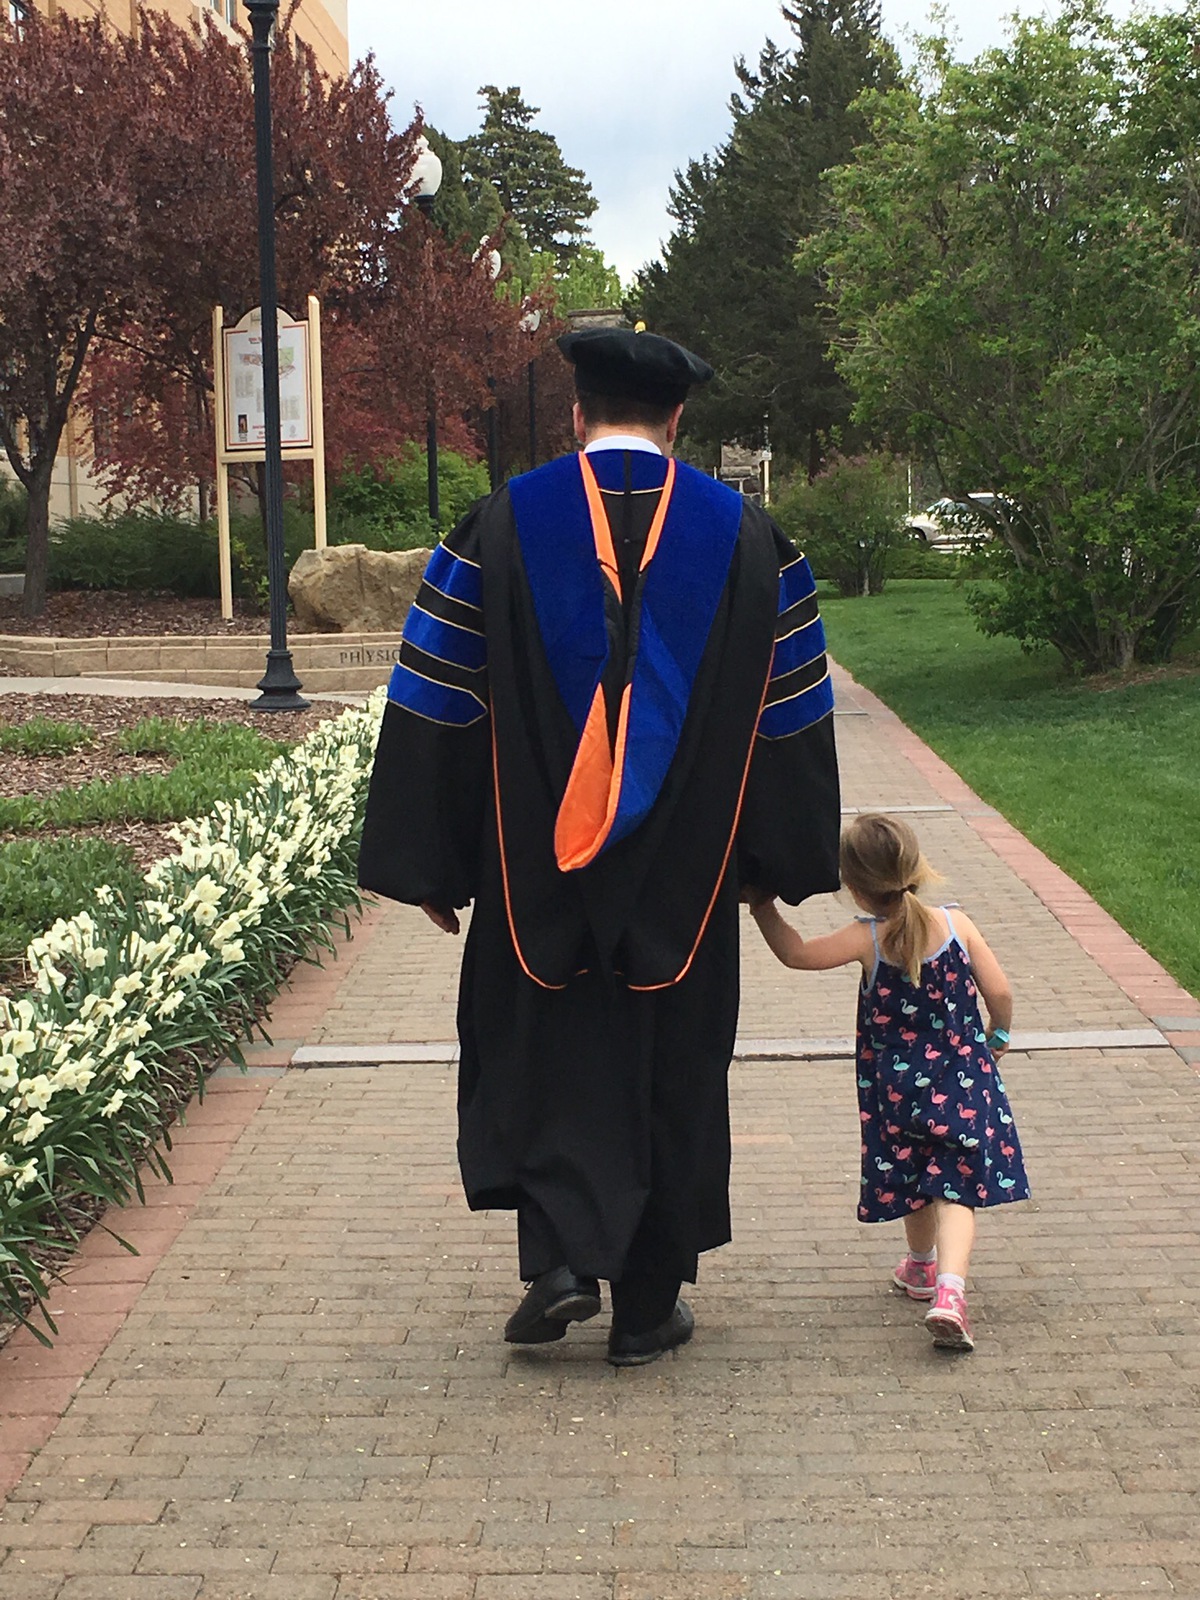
638 1349
551 1301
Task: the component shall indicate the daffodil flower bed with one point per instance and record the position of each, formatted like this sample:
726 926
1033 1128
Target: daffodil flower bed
128 993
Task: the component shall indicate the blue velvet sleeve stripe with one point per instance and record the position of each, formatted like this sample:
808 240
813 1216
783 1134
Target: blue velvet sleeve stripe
788 717
448 642
456 577
799 648
436 702
796 583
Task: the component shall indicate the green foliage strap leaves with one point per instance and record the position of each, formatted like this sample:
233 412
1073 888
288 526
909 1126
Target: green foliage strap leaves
41 736
1013 265
43 879
214 761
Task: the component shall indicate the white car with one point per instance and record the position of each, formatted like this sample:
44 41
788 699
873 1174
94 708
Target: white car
950 524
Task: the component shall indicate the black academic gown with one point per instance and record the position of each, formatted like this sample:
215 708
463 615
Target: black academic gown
598 1006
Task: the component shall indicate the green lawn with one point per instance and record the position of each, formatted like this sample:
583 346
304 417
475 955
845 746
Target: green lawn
1104 778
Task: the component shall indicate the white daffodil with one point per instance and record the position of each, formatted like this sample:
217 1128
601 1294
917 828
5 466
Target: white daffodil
131 1068
190 965
111 1107
36 1093
35 1125
75 1076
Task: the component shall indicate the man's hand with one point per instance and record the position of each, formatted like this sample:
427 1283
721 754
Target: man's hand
446 920
752 897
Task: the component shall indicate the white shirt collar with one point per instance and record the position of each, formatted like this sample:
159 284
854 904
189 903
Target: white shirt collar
622 441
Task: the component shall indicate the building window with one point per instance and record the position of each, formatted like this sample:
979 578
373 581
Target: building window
18 12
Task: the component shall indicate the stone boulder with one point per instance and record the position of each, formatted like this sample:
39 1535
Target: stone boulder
350 589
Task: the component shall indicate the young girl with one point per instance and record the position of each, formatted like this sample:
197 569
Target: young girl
938 1136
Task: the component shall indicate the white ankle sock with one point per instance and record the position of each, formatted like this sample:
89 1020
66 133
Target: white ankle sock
924 1258
951 1280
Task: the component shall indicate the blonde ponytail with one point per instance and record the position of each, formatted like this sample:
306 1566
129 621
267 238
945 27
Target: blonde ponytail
883 865
906 934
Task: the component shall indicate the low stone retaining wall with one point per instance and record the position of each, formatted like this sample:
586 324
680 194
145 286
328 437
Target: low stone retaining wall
325 662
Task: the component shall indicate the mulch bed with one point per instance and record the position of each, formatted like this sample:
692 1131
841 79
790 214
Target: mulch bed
107 715
114 613
22 775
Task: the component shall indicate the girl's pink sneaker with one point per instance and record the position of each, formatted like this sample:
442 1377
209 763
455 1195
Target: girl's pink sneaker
947 1321
918 1279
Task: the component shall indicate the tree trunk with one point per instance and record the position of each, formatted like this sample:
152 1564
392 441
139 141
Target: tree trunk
37 547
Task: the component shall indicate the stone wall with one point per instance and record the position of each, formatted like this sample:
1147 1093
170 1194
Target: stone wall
324 662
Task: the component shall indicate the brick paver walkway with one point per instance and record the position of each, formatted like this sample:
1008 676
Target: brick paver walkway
309 1399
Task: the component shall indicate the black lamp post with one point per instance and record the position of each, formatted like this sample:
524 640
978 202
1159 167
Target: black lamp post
489 258
280 685
531 322
427 173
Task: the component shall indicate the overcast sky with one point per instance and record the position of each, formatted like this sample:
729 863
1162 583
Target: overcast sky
632 89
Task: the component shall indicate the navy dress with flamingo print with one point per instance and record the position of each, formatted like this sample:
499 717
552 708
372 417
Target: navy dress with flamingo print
936 1123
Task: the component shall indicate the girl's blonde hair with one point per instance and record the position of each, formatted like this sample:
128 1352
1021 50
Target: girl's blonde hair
882 863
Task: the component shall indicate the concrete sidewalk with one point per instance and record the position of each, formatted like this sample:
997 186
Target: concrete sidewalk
146 689
299 1389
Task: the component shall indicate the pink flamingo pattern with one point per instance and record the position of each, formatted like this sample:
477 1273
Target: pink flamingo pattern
944 1130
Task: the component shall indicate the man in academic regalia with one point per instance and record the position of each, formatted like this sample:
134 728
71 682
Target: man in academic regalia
612 714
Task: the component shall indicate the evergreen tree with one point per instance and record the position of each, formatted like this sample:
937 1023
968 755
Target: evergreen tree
468 214
524 166
459 214
727 284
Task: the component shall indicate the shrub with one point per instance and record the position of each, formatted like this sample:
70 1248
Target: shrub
43 879
849 520
385 508
248 542
144 550
393 498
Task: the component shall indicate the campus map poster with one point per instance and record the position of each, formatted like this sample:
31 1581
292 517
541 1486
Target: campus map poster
245 418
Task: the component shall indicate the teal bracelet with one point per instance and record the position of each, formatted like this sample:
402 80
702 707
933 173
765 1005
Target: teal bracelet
1000 1036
